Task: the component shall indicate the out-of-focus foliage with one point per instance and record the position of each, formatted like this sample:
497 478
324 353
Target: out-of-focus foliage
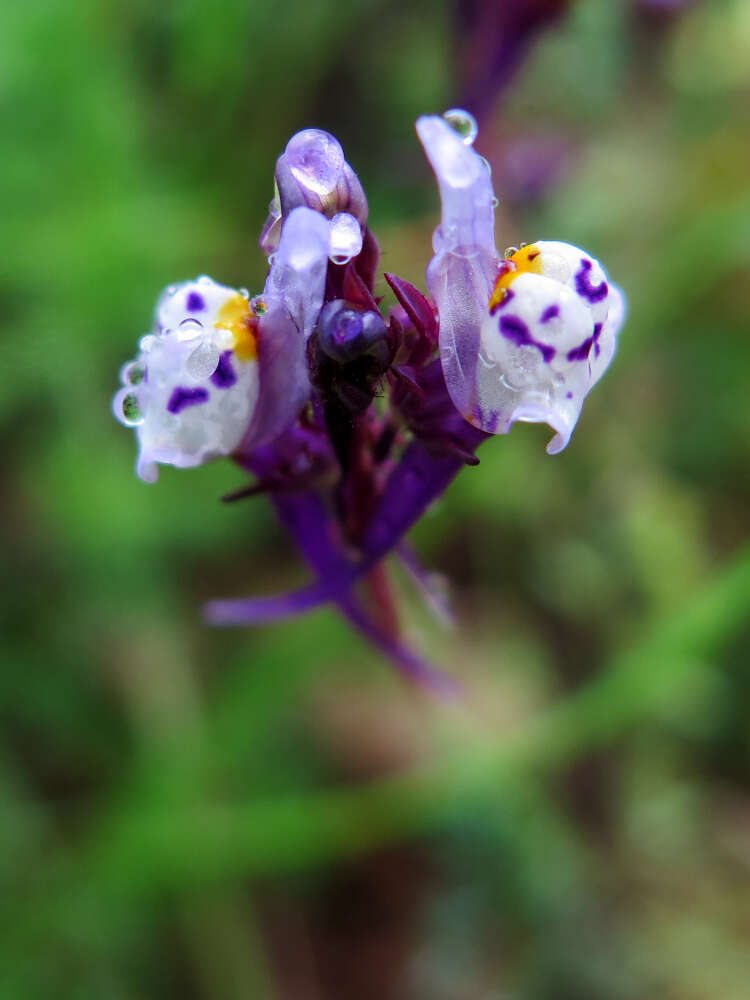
192 813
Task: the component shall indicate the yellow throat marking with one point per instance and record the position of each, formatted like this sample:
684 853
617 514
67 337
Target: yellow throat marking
235 316
527 260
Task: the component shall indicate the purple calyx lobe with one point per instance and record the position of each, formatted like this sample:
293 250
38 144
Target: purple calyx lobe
195 302
182 397
592 293
224 377
583 350
514 329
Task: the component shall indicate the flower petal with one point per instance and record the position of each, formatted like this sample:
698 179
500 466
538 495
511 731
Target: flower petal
293 296
462 273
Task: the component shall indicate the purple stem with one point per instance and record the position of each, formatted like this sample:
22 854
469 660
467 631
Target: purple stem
418 479
309 523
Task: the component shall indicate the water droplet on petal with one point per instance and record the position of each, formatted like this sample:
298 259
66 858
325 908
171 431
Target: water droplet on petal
486 164
346 238
509 251
245 293
133 373
316 160
189 328
203 279
132 415
464 123
203 361
258 305
147 342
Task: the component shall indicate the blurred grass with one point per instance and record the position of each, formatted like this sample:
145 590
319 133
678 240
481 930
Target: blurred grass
179 808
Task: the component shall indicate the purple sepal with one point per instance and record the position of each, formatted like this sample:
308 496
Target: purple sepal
422 316
421 396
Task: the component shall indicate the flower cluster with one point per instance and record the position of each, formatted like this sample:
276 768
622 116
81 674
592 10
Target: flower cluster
354 422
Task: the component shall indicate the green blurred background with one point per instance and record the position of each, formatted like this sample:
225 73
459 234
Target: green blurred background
273 813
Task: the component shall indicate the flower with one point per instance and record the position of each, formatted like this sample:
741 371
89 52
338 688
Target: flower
522 338
352 422
220 369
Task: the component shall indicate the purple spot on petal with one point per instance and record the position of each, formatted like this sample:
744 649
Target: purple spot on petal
195 302
514 329
583 350
549 313
592 293
224 377
597 331
182 397
568 395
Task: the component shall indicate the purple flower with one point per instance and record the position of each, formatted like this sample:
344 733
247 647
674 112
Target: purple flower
354 422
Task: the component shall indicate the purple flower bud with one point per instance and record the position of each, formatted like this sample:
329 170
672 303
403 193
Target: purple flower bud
312 172
346 333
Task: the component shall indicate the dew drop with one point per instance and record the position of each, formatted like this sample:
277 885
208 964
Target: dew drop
486 164
132 414
495 201
245 293
133 373
346 238
258 306
189 329
203 279
147 342
316 160
203 361
509 251
464 123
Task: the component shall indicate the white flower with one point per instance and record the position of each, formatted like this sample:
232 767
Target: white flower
523 338
221 370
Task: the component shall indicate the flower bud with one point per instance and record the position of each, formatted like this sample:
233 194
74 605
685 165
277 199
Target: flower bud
346 333
312 172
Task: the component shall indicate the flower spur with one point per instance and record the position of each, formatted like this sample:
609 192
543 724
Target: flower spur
287 383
